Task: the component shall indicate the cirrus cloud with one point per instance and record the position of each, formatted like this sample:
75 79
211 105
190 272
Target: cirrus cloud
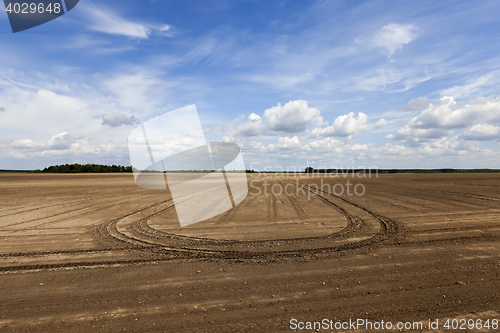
103 19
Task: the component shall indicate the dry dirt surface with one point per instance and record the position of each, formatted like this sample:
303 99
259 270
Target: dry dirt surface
83 253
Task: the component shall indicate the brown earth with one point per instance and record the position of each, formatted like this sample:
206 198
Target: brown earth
96 253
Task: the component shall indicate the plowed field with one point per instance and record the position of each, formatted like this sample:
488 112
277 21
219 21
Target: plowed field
97 253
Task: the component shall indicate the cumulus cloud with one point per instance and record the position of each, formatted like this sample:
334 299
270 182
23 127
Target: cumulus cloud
348 126
482 132
62 141
293 117
448 146
252 127
476 118
295 128
116 119
392 37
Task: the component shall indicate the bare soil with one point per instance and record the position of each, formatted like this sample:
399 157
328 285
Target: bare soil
83 253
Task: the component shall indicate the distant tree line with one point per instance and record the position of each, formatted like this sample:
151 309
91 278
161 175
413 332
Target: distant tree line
346 171
439 171
100 168
192 171
85 168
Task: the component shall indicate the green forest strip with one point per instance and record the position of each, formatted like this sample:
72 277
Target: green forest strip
85 168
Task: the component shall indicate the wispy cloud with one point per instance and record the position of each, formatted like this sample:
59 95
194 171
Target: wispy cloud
108 22
474 86
104 19
97 45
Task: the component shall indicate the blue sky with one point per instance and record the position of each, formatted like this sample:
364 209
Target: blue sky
391 84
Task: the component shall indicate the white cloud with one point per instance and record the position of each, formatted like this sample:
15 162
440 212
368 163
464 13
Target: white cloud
61 141
289 143
397 150
252 127
327 144
477 118
446 114
348 126
27 144
411 135
447 146
61 144
116 119
293 117
165 27
358 147
482 132
34 110
254 117
2 109
105 20
474 86
392 37
34 114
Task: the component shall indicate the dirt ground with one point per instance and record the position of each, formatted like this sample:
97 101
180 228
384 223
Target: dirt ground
84 252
